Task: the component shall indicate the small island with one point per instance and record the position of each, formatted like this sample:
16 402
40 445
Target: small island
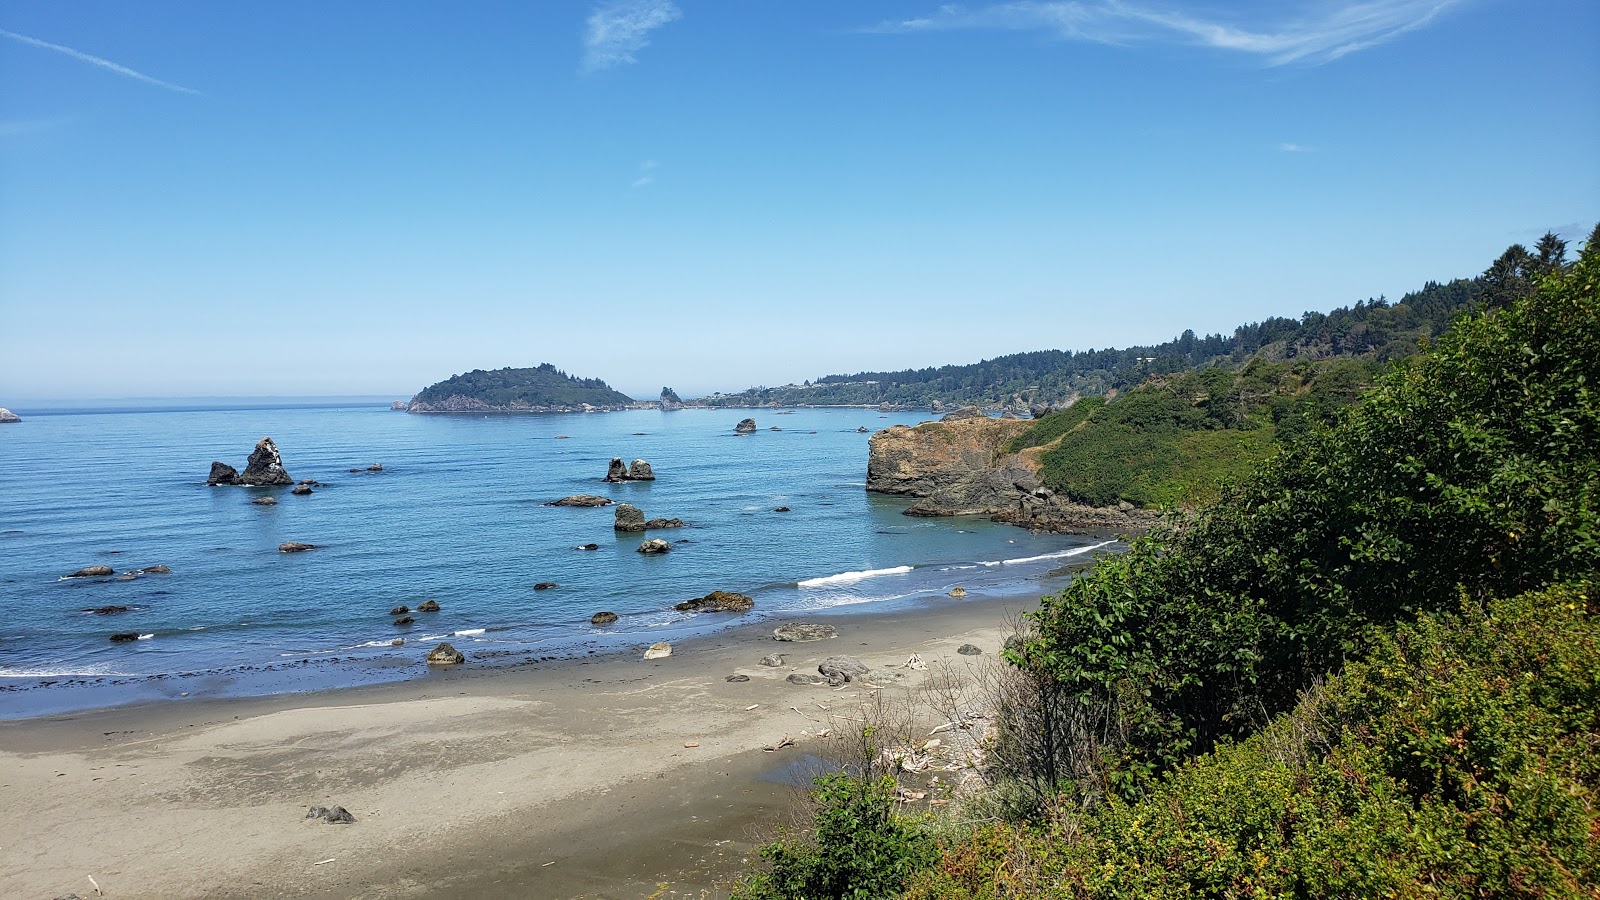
541 389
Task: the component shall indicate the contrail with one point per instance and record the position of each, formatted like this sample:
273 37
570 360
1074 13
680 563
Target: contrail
97 61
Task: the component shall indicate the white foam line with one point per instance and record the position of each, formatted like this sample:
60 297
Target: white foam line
466 631
1076 551
852 577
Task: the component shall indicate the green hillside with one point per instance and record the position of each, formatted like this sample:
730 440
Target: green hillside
544 386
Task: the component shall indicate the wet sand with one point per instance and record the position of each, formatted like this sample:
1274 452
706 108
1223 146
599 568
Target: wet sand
570 779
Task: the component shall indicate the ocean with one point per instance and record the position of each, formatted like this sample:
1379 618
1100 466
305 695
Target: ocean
458 515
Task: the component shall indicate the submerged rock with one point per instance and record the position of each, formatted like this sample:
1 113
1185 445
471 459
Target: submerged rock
603 618
745 426
445 655
781 509
107 610
93 572
582 500
295 547
653 546
153 570
222 473
265 466
588 547
628 518
717 601
404 620
801 632
122 637
658 650
544 585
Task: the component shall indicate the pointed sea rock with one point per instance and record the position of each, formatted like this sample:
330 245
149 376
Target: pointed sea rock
265 466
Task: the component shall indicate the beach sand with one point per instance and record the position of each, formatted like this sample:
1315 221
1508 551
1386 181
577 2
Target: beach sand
569 779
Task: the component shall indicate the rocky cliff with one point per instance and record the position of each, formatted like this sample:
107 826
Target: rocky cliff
959 466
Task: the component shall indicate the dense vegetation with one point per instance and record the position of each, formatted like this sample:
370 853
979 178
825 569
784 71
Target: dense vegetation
543 386
1434 554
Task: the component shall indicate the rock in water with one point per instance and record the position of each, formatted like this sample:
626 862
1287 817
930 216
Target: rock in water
222 473
629 518
745 426
544 585
124 636
641 471
265 465
265 501
958 592
717 601
404 620
800 632
8 417
428 606
446 655
617 471
670 400
300 489
581 500
603 618
653 524
847 667
400 610
295 547
93 572
654 545
155 570
658 650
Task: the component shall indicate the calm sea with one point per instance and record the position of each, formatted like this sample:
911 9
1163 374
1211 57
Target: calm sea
457 515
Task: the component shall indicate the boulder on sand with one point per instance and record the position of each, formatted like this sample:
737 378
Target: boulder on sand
658 650
745 426
581 500
222 473
800 632
717 601
641 471
446 655
846 667
265 466
653 546
93 572
628 518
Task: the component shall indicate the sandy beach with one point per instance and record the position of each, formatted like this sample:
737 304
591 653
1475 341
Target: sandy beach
596 778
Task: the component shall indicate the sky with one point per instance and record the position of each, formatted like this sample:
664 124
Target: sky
294 198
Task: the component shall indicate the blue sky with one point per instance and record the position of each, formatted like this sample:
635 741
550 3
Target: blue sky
345 198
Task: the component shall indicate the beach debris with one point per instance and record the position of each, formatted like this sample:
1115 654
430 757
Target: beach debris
628 517
324 862
582 500
783 742
970 650
295 547
914 661
658 650
717 601
806 679
689 745
265 501
587 547
93 572
880 677
745 426
603 618
906 795
654 546
800 632
844 667
222 473
752 706
801 714
400 610
404 620
445 655
958 592
544 585
428 606
737 677
774 660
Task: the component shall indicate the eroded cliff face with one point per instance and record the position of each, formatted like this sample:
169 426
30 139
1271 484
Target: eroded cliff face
960 467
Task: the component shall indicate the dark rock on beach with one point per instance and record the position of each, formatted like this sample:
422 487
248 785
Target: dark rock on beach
846 667
446 655
717 601
654 546
295 547
93 572
970 650
628 518
773 660
745 426
222 473
582 500
265 466
800 632
428 606
806 679
603 618
337 815
737 678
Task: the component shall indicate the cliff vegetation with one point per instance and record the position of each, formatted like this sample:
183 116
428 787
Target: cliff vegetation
539 389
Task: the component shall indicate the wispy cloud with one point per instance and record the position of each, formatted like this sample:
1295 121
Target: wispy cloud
19 127
1291 147
97 61
1321 32
645 168
618 30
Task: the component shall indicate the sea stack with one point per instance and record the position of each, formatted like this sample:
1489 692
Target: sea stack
670 400
265 465
617 471
222 473
641 471
745 426
7 417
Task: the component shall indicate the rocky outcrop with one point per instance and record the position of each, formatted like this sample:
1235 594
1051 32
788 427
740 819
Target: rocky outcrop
960 466
93 572
653 524
617 471
265 466
265 501
801 632
717 601
399 405
745 426
670 400
446 655
654 546
603 618
428 606
581 500
965 412
295 547
222 473
8 417
628 518
300 489
641 471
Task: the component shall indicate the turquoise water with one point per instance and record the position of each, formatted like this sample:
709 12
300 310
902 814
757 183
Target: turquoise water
457 515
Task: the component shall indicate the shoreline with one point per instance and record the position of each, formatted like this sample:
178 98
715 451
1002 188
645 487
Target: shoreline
572 778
